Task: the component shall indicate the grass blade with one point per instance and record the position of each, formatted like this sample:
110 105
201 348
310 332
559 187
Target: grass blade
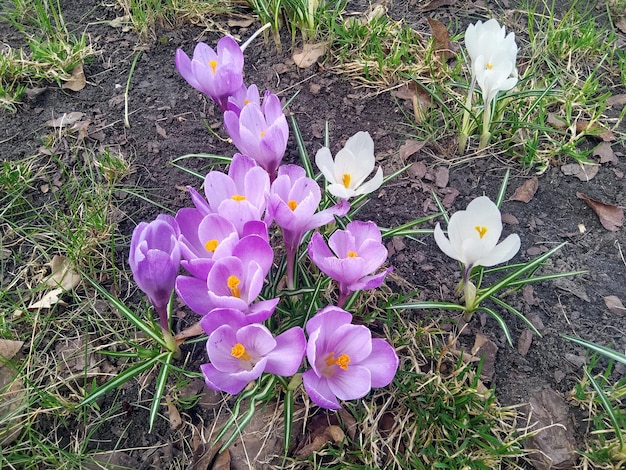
608 352
129 314
501 322
122 378
160 389
607 406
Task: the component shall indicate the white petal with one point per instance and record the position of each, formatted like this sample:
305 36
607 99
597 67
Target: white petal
503 252
324 161
373 184
361 143
444 244
340 191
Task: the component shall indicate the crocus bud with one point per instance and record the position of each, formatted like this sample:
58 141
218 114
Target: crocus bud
154 259
218 74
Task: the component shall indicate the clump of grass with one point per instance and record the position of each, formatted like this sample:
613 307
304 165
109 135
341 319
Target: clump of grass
376 51
145 15
52 51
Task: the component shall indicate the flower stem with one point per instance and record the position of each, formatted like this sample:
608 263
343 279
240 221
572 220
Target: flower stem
172 345
486 135
291 262
466 118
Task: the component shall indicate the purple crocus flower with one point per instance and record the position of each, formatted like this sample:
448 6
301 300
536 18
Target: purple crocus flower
243 97
356 253
218 74
240 196
346 362
240 355
202 238
154 259
233 281
293 200
260 132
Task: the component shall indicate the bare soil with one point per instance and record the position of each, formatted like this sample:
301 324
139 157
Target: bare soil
169 119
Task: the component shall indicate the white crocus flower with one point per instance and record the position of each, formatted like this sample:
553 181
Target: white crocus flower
474 234
493 54
352 165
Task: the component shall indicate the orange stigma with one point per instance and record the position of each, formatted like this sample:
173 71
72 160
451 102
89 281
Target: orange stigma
346 180
352 254
292 204
211 245
239 351
213 64
481 230
233 284
238 197
342 361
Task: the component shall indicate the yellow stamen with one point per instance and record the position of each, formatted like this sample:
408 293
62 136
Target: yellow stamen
262 133
246 101
211 245
292 204
488 66
233 284
239 351
346 180
342 361
352 254
238 197
481 230
213 64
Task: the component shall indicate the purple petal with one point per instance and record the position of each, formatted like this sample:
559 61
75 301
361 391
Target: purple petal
350 384
330 318
369 282
193 292
257 339
201 204
353 340
223 316
382 363
318 390
287 356
224 381
261 311
328 215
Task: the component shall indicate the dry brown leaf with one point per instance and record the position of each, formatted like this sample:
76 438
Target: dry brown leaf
66 120
190 332
614 304
8 349
434 4
524 341
442 175
441 39
605 152
422 101
616 100
49 300
241 22
160 131
331 434
594 130
174 415
582 171
404 92
620 24
63 274
410 147
308 54
611 217
77 80
556 121
526 191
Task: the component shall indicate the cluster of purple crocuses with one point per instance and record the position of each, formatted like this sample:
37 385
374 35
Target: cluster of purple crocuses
223 243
